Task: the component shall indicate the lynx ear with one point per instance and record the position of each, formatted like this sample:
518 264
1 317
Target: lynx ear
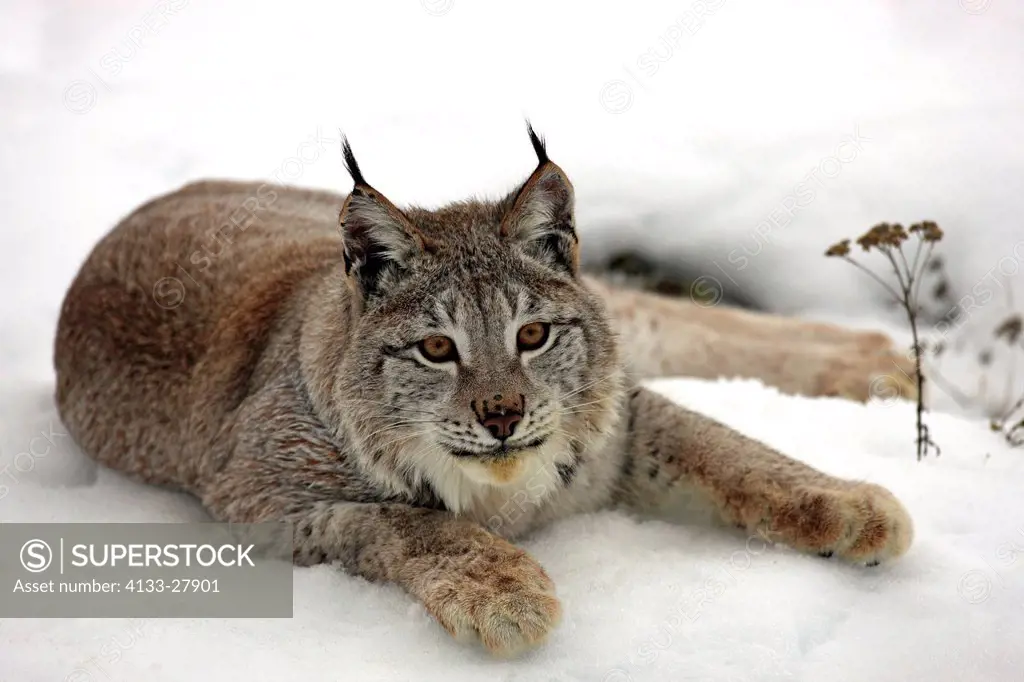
541 216
378 238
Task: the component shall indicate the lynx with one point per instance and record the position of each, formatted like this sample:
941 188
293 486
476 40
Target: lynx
419 388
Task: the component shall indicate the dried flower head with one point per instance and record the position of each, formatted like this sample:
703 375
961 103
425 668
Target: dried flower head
883 235
928 231
839 249
1010 329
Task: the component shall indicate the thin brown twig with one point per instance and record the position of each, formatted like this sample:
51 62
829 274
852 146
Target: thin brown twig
888 238
928 254
892 292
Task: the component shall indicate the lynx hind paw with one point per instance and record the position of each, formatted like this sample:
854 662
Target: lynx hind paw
863 524
864 374
502 597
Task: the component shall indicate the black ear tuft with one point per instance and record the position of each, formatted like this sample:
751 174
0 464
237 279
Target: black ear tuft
540 217
351 165
538 143
378 239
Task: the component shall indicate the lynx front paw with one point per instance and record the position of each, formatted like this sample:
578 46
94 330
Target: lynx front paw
500 596
864 523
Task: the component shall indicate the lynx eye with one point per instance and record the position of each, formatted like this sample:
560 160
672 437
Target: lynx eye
438 349
532 336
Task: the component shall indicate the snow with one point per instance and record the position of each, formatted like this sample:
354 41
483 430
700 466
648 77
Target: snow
684 135
644 600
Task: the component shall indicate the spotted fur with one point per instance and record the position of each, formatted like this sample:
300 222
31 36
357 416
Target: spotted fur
256 346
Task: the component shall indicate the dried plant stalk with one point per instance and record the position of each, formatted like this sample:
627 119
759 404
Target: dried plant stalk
888 239
1011 422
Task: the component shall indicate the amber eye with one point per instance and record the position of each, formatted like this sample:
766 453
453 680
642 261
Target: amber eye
532 336
438 349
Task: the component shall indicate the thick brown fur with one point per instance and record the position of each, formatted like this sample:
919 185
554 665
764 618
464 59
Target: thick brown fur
226 340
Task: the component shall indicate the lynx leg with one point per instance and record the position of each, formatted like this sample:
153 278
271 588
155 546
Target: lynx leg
476 584
674 337
675 456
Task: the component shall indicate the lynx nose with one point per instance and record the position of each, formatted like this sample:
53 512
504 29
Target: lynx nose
500 425
500 414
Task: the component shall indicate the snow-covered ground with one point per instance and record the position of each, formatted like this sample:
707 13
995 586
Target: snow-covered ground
688 128
643 600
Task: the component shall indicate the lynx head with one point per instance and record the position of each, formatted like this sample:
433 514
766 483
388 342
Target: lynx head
477 358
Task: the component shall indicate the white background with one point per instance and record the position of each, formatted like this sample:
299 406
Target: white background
683 134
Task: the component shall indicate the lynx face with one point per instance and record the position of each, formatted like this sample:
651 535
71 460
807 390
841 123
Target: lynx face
480 358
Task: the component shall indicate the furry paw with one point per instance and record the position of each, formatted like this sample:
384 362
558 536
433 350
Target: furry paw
500 596
869 367
863 523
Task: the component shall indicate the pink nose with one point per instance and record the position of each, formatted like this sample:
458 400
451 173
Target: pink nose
500 425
